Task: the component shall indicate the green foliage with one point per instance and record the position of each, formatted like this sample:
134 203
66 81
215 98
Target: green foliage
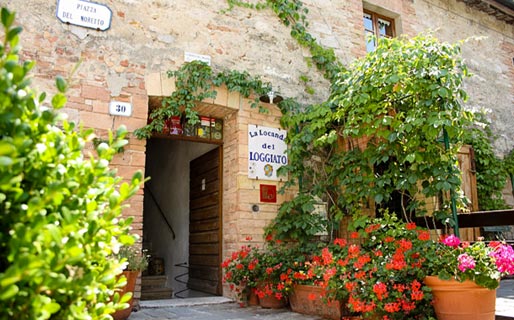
293 14
490 170
194 82
295 221
60 211
508 162
395 103
258 6
399 98
134 259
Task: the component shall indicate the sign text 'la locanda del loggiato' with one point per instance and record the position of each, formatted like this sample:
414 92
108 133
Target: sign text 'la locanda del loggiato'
84 13
266 152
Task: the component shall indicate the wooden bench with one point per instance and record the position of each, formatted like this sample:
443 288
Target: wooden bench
498 220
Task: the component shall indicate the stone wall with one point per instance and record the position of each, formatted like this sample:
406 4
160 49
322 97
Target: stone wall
128 63
152 37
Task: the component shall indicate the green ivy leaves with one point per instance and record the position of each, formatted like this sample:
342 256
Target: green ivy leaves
194 82
386 116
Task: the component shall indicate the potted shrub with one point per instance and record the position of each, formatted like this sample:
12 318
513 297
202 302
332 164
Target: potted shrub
242 271
383 277
309 293
262 273
136 261
460 272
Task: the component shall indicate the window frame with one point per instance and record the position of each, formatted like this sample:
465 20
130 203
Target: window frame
376 30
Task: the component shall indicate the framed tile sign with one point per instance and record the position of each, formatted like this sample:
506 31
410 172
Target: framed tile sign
268 193
266 152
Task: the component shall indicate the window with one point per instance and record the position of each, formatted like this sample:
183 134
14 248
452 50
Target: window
378 26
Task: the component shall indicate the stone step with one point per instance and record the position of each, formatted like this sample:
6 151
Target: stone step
153 281
156 293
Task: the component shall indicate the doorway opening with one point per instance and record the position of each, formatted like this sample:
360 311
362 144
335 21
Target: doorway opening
182 219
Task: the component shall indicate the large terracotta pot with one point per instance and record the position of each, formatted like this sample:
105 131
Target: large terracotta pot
129 287
308 299
271 302
252 298
454 300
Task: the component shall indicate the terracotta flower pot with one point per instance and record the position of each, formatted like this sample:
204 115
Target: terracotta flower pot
129 287
454 300
268 299
271 302
307 299
252 299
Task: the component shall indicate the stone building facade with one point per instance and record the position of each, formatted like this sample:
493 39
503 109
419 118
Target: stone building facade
128 62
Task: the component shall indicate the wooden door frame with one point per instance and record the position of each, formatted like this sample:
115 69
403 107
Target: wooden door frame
219 288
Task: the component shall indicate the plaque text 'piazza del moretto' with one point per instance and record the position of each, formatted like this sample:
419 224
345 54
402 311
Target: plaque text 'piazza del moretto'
84 13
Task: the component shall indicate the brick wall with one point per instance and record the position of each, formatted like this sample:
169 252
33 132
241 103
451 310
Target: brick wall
128 63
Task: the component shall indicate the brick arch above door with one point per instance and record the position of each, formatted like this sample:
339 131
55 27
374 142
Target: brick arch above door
159 85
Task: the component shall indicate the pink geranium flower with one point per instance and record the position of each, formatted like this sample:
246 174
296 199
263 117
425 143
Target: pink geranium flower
465 262
451 241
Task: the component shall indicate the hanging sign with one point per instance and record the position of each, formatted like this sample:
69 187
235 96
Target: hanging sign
266 152
85 14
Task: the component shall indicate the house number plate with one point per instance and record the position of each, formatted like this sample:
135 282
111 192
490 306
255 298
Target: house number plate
118 108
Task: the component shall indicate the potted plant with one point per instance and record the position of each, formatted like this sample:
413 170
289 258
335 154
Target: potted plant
136 261
262 273
275 277
460 272
383 277
310 293
242 272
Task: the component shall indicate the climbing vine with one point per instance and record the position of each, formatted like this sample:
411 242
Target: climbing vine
508 160
293 14
380 134
195 81
509 163
491 171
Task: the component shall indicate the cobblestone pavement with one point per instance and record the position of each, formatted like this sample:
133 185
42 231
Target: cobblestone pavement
225 311
220 308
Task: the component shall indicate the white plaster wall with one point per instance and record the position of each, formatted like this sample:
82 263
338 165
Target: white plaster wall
167 164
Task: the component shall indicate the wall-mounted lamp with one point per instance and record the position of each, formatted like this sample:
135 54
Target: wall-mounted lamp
271 97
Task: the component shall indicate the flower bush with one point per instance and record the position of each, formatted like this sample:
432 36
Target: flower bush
264 271
480 262
383 276
242 270
380 278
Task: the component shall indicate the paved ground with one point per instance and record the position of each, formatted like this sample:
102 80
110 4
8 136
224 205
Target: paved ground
505 299
224 311
220 308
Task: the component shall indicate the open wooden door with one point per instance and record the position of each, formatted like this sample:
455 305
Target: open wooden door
469 187
205 223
